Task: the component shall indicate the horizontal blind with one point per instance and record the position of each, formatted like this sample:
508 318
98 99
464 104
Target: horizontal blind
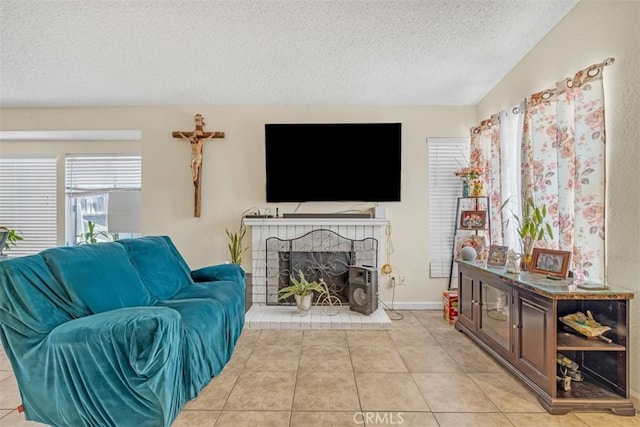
28 202
446 155
102 173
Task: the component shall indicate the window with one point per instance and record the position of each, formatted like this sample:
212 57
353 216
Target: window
90 181
28 202
446 155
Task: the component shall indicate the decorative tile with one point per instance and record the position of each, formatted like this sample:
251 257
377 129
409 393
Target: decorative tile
509 394
326 391
388 392
472 419
195 418
262 391
376 358
427 359
252 419
453 392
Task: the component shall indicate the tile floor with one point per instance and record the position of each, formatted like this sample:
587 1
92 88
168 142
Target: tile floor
422 372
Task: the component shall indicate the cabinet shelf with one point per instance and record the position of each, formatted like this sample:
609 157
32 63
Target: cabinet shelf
587 389
570 342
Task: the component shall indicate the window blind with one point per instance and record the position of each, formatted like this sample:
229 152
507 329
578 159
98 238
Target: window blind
446 155
28 202
102 173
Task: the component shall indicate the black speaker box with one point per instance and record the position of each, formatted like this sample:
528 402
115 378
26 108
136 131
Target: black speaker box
363 289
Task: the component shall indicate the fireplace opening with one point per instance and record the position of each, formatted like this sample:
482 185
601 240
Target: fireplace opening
319 254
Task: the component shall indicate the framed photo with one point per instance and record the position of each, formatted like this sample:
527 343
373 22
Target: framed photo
475 241
550 262
473 220
497 256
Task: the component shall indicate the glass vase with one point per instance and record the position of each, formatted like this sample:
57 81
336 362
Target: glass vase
525 259
466 190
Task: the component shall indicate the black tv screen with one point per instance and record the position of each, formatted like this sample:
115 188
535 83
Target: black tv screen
333 162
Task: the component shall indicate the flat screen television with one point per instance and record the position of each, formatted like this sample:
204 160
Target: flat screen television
333 162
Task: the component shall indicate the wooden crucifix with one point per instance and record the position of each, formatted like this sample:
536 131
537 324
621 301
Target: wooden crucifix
197 139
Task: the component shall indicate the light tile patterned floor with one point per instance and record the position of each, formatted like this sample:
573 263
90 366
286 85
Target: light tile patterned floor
422 372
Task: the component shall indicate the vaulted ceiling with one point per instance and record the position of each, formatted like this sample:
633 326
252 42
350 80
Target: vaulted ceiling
145 52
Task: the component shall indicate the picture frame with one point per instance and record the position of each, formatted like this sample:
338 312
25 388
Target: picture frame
473 220
497 256
477 242
550 262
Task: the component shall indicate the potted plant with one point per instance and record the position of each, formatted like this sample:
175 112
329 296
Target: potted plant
532 226
303 291
236 249
91 236
8 238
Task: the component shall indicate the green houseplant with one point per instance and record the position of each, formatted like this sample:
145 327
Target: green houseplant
532 226
235 245
303 290
91 236
8 238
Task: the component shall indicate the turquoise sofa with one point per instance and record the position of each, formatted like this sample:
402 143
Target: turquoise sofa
116 334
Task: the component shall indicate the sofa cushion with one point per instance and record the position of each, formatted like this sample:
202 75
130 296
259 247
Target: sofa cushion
206 342
157 265
230 296
100 275
32 301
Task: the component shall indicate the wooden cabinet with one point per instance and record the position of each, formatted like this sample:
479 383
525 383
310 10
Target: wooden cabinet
467 299
515 318
534 355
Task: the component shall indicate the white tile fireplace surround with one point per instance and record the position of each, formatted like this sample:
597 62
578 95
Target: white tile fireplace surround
264 316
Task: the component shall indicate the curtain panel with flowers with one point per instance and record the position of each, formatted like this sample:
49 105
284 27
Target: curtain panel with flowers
563 166
486 157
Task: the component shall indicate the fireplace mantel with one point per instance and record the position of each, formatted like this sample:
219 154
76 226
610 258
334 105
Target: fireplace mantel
253 222
289 228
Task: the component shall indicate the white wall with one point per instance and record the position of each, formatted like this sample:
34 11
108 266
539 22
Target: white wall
233 177
592 31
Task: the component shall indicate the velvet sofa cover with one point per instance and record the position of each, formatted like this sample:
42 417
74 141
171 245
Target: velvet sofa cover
116 334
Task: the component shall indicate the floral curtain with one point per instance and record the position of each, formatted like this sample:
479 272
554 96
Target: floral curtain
563 166
485 155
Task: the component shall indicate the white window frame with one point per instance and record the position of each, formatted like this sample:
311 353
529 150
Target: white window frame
96 176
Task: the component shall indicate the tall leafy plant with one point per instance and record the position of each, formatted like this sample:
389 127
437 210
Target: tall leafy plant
236 245
532 225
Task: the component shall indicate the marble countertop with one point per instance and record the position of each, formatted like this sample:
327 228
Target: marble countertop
552 288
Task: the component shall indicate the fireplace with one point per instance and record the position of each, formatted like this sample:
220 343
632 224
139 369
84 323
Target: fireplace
318 254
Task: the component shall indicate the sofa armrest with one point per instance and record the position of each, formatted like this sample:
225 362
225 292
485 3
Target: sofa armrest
144 338
120 367
232 272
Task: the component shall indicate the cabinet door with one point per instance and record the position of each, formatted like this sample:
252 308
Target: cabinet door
494 320
535 355
466 301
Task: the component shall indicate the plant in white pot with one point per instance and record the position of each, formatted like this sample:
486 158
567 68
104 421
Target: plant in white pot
303 291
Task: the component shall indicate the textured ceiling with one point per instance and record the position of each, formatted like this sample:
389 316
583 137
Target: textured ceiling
144 52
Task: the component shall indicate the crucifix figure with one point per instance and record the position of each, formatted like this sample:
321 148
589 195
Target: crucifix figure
197 139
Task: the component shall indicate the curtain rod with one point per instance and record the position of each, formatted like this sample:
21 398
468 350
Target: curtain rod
605 63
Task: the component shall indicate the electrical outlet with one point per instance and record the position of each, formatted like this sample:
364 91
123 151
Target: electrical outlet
397 280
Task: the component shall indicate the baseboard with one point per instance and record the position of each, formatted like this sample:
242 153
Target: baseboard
403 305
635 398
